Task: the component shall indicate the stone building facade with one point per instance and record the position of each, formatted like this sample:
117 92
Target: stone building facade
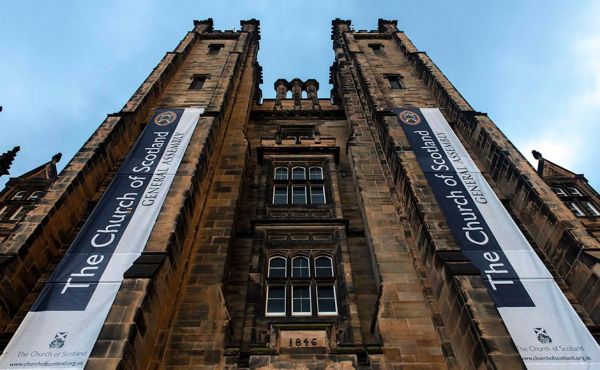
300 231
21 194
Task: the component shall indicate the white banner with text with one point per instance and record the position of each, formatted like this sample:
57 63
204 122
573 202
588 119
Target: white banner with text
61 328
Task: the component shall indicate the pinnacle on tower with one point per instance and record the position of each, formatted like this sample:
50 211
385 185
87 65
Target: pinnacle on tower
6 160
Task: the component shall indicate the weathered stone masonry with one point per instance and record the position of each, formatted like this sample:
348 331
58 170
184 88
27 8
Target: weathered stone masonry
406 297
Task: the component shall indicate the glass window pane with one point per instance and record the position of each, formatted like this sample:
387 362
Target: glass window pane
575 208
280 195
301 300
300 267
559 191
323 267
36 195
593 209
277 267
19 195
276 300
326 299
281 173
315 173
299 195
574 191
298 173
317 194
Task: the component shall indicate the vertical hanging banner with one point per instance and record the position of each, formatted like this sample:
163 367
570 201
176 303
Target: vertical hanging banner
542 323
60 330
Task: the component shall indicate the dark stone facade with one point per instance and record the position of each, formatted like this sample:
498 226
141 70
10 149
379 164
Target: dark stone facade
198 297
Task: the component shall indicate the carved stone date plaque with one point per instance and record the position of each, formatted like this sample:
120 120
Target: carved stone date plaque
302 339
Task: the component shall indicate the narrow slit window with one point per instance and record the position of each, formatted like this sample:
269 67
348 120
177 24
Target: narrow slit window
298 194
277 267
326 301
281 173
323 267
275 301
396 82
300 267
198 82
317 195
298 173
315 173
301 300
280 194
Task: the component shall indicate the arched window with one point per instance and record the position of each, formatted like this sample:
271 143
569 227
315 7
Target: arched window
301 293
298 173
277 267
36 195
323 267
281 173
300 267
315 173
19 195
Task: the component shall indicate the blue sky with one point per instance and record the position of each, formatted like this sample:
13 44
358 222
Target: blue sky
533 66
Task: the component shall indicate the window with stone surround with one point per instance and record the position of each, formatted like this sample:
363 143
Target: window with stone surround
298 184
213 49
198 82
301 285
577 201
20 195
377 49
396 82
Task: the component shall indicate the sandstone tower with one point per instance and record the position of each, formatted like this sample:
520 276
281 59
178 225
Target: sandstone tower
301 231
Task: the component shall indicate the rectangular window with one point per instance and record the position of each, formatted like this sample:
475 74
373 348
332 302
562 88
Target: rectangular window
298 194
317 195
592 208
559 191
213 49
396 82
301 300
574 191
377 49
198 82
275 301
326 302
576 209
18 213
280 194
302 133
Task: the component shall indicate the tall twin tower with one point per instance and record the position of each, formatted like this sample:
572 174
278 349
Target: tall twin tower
383 225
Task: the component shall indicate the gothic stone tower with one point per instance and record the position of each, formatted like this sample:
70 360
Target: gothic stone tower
298 232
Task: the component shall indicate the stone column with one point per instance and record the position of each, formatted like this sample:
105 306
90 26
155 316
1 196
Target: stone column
297 87
312 86
281 89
